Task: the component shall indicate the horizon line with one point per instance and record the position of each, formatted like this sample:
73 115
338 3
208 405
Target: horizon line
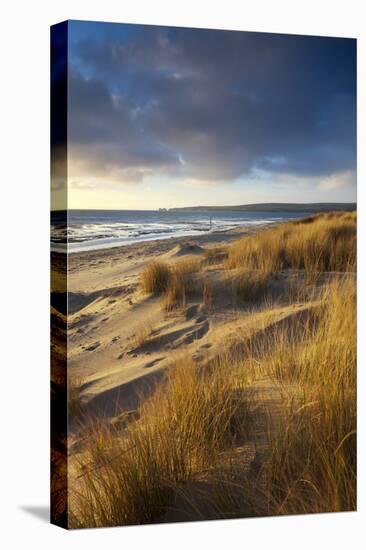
209 206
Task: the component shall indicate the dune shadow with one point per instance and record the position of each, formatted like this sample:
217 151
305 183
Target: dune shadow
124 397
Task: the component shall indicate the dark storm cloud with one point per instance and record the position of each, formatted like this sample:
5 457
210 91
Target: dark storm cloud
210 105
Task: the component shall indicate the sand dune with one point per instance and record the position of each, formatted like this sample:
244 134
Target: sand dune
211 309
117 335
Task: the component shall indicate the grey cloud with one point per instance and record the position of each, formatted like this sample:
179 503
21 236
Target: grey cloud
212 105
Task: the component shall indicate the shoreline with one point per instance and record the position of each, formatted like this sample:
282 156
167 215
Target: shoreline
151 245
180 229
204 235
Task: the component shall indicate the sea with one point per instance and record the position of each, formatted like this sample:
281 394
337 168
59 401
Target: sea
84 230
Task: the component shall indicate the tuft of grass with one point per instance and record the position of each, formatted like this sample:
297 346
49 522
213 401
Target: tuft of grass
142 335
155 278
182 284
175 282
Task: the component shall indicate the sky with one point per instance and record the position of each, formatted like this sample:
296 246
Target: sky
162 117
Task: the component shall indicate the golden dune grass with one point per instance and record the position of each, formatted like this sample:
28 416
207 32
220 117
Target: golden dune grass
326 242
313 469
253 286
183 429
311 464
192 424
155 278
142 334
176 282
130 478
181 284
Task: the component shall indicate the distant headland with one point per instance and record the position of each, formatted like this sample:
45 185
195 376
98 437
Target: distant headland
277 207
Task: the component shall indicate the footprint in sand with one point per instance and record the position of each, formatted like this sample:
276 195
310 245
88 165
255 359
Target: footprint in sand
153 363
93 346
195 334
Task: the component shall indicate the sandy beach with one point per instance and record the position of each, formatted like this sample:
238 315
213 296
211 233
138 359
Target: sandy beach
109 314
